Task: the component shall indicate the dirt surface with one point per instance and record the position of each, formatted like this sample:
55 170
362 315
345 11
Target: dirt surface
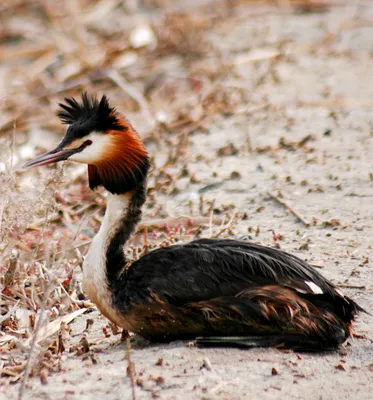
301 129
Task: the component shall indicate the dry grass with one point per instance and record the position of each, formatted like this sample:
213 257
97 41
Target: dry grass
164 71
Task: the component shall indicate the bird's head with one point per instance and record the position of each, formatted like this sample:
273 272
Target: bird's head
99 136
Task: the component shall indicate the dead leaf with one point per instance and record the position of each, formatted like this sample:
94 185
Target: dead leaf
54 326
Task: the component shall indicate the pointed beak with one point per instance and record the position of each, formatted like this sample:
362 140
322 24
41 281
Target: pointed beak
53 156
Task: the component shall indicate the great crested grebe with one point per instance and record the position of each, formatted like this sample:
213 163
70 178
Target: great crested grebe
222 292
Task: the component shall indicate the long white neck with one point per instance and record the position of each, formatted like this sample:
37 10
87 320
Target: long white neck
116 210
95 263
105 260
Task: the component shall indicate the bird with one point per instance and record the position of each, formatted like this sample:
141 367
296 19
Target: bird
218 292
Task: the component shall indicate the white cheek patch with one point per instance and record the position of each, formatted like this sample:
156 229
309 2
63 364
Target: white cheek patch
316 289
95 152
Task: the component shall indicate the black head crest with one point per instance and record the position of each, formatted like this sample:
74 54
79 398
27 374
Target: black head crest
89 115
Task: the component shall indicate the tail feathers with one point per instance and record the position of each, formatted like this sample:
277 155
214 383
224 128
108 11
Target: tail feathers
357 308
295 342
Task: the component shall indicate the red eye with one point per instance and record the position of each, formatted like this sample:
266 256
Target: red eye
87 142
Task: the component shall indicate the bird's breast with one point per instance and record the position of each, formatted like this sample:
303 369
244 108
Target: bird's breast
96 287
102 298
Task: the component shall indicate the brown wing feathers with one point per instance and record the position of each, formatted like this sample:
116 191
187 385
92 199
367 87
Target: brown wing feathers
230 288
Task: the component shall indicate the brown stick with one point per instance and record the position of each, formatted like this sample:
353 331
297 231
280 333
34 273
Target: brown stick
253 109
130 371
174 221
9 274
36 224
229 225
317 266
287 205
134 93
344 285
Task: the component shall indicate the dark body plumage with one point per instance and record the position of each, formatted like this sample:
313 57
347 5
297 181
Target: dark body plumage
224 292
228 288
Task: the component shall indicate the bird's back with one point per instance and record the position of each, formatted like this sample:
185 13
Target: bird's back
212 286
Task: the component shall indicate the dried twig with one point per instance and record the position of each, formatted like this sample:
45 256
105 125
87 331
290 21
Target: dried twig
253 109
7 315
28 364
130 370
183 220
344 285
226 227
2 208
134 93
35 225
317 266
290 208
40 321
53 327
9 275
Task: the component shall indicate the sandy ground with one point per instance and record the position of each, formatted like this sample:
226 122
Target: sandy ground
323 88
